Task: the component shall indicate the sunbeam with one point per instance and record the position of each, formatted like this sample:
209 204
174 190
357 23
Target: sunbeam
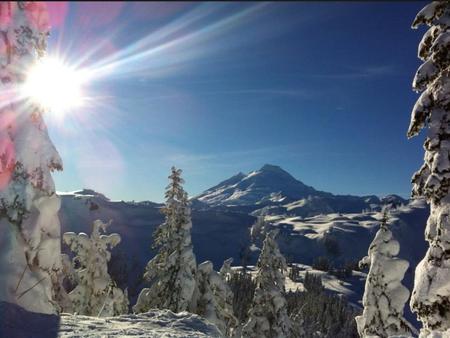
175 44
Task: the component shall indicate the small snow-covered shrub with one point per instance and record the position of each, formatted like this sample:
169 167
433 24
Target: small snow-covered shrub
96 293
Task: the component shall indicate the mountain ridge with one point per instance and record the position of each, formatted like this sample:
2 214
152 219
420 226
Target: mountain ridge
272 189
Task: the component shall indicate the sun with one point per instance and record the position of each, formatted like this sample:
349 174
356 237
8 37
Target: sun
54 85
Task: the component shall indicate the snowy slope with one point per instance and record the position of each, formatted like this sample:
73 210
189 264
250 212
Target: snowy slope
275 191
303 239
152 324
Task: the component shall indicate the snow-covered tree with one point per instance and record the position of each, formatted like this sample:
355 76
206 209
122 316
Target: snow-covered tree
30 241
259 229
225 271
215 299
431 295
96 293
268 317
172 271
384 296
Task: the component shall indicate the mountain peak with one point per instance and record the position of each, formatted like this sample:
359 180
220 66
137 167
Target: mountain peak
274 170
271 167
259 186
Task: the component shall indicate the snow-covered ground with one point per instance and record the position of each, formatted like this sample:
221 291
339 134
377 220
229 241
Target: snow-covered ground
19 323
155 324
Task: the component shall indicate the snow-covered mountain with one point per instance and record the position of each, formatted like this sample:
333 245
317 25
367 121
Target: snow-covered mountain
270 184
273 190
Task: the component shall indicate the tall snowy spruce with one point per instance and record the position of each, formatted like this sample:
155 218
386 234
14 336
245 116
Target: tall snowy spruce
30 248
384 296
259 229
431 295
215 299
268 317
96 293
172 272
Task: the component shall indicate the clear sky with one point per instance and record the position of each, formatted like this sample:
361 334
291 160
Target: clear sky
321 89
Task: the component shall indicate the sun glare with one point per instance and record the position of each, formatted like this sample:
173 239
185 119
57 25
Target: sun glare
55 86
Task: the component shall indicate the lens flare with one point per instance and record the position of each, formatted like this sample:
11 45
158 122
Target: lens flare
55 86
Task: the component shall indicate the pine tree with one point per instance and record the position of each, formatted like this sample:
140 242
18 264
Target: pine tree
96 293
384 296
215 300
431 295
268 316
172 272
30 249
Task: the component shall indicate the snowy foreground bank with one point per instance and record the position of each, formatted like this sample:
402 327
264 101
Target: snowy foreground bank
19 323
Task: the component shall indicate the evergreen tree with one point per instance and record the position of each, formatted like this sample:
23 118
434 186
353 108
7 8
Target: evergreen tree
30 249
172 272
96 293
431 294
215 300
243 288
384 296
268 316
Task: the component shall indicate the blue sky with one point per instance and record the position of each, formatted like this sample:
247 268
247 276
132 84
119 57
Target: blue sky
322 89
